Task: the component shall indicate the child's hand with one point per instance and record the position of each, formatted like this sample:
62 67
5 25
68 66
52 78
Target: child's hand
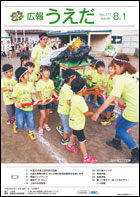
18 105
104 96
103 84
10 89
88 114
95 116
89 78
91 114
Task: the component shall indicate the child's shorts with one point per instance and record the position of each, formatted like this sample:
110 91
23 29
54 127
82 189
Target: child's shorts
80 135
99 99
24 116
110 108
43 107
65 122
10 110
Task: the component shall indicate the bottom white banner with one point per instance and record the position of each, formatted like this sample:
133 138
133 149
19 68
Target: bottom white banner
70 180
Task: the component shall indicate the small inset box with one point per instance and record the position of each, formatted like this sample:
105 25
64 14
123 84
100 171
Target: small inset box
14 176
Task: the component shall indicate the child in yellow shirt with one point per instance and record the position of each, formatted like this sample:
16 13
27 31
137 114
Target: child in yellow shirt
24 92
33 76
78 111
90 72
45 89
24 59
111 78
64 104
100 79
7 85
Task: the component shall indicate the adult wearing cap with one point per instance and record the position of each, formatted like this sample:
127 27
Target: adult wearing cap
64 104
126 86
40 51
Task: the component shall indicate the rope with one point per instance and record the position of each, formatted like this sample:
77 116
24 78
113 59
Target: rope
39 102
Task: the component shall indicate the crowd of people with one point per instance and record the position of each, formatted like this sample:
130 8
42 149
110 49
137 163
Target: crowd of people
33 84
19 49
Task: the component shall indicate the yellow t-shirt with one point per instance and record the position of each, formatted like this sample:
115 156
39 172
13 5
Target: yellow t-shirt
109 83
8 83
23 94
39 53
45 88
99 79
56 44
127 86
33 78
78 108
65 95
90 73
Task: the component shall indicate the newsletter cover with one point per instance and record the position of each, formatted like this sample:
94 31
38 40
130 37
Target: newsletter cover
70 98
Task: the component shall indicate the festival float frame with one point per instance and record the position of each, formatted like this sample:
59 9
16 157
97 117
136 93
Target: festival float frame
61 60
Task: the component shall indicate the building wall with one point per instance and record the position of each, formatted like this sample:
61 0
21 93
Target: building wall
130 44
124 32
119 47
5 37
4 34
29 37
99 42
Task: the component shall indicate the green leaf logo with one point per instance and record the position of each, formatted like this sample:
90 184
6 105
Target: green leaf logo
17 16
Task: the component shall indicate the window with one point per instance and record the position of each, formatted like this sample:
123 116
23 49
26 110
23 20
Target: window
116 40
17 40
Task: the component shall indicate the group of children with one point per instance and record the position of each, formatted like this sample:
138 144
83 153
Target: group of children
23 91
104 83
72 107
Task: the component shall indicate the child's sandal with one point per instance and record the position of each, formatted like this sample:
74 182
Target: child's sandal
72 148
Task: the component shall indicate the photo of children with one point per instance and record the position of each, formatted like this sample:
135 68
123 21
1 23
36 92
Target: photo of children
70 98
79 121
